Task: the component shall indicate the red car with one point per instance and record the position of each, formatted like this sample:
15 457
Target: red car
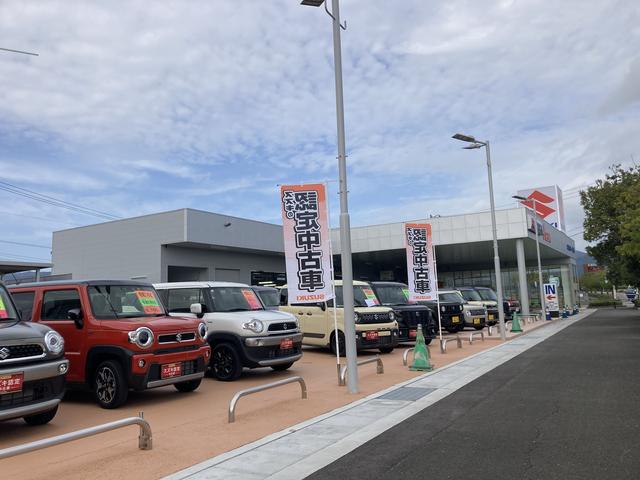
118 336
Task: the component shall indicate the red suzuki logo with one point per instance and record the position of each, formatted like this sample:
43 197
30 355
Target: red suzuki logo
541 199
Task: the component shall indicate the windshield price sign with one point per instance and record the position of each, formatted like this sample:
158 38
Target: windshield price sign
551 297
423 284
3 309
306 242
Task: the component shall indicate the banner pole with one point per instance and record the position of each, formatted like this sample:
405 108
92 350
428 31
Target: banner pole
333 288
435 270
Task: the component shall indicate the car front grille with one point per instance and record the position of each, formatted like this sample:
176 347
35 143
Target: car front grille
9 353
177 337
413 318
476 313
32 392
382 341
282 327
452 309
274 352
373 318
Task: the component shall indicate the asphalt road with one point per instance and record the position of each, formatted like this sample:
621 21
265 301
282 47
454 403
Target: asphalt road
568 408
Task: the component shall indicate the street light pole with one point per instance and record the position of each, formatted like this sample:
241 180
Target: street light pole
543 304
345 223
496 256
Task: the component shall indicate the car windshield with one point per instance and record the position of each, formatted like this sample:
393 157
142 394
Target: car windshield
488 294
471 295
7 311
392 295
450 297
124 301
234 299
363 296
270 298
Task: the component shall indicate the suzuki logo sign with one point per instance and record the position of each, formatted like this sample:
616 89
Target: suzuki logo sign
548 204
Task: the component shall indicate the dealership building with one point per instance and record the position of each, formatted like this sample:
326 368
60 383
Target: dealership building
190 244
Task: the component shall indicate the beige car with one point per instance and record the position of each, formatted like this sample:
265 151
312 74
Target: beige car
376 326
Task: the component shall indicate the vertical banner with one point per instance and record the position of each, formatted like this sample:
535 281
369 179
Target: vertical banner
423 284
306 243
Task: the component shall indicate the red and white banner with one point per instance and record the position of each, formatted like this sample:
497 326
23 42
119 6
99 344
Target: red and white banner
423 284
549 204
306 242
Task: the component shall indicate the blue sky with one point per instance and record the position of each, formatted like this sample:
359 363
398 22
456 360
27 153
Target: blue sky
136 107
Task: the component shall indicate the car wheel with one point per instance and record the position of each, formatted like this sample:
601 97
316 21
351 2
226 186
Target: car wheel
41 418
386 349
110 385
225 363
282 367
189 386
452 329
479 327
341 343
428 341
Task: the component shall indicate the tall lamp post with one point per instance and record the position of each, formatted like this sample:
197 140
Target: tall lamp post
345 224
543 304
473 143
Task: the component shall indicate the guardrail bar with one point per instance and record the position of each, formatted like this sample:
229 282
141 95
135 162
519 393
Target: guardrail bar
405 355
262 388
379 368
472 334
443 343
145 441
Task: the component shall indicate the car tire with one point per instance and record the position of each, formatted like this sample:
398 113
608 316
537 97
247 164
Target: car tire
386 349
110 385
341 343
41 418
282 367
427 341
225 365
451 329
186 387
478 327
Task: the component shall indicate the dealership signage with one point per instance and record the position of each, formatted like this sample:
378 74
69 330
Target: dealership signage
423 284
306 243
551 297
549 204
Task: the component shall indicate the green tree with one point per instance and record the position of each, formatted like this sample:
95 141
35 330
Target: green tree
612 220
594 281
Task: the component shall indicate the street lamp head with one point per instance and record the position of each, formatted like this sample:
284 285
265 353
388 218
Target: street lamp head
473 146
312 3
518 197
464 138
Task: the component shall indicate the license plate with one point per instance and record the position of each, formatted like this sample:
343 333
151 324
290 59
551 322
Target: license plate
455 319
384 333
171 370
11 383
372 336
286 344
490 317
413 333
476 321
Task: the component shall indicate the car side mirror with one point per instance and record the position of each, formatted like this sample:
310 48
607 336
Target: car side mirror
75 314
322 305
197 309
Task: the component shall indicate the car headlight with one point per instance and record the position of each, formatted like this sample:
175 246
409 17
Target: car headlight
203 330
443 308
467 313
254 325
54 342
392 316
143 337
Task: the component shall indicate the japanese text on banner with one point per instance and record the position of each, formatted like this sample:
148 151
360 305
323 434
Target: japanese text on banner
423 284
306 243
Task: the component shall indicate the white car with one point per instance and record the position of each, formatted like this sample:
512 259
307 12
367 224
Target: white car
242 333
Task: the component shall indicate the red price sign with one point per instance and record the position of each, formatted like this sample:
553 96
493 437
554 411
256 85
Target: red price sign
11 383
252 299
286 344
171 370
149 301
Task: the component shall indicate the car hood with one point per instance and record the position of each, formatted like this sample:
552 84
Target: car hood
409 308
156 324
266 316
378 309
21 330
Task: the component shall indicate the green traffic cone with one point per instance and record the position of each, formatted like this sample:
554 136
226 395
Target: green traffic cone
421 354
515 324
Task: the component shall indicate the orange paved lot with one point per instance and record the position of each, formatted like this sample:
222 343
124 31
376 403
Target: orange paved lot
190 428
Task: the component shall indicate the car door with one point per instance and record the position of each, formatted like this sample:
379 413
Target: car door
313 321
53 312
179 300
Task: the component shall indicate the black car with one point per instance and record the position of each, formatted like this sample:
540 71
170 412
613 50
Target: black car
408 315
32 367
451 311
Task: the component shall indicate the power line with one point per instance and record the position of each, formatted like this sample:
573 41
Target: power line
23 192
19 51
23 257
26 244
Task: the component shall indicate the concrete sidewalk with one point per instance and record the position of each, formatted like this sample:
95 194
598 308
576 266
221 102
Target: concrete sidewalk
298 451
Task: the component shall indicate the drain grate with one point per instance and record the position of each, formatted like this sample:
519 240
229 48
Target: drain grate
410 394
